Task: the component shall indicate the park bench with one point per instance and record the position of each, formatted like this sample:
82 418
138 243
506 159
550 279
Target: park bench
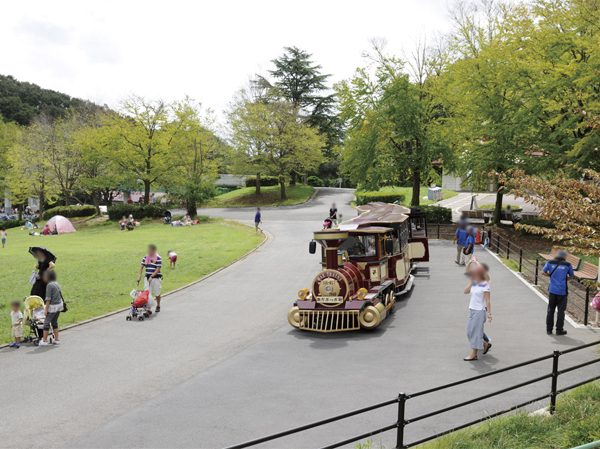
475 214
588 271
573 260
529 215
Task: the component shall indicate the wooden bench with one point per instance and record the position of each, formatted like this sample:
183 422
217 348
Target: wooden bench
475 214
573 260
588 271
529 215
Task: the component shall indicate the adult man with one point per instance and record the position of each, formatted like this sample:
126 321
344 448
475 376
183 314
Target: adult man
333 212
153 279
460 239
257 221
559 271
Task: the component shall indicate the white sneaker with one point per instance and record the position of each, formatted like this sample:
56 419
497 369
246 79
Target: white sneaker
56 342
43 343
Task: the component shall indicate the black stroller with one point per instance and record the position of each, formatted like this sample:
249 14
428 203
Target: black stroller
168 217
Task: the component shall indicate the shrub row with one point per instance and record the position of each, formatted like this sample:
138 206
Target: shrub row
7 224
265 181
137 210
314 181
383 197
70 211
437 214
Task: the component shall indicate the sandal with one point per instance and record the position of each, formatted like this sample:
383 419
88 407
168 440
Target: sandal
157 309
470 360
488 348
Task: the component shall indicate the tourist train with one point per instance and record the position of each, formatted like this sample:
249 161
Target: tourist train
366 264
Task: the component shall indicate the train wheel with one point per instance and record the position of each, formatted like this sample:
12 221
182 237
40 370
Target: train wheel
370 318
294 317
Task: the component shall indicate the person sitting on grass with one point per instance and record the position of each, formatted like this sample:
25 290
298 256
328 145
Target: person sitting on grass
16 324
130 223
46 230
123 223
187 220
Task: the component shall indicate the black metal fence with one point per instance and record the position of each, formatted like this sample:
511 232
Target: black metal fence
526 262
401 420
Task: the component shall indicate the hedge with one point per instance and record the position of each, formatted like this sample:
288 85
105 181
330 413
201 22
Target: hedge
14 223
265 181
137 210
314 181
437 214
383 197
70 211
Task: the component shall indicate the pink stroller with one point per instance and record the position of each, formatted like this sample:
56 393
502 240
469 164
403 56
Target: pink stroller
141 305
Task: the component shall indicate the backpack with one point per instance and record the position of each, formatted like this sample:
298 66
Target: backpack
595 304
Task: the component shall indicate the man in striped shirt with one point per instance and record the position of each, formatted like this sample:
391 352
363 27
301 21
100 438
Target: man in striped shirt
153 278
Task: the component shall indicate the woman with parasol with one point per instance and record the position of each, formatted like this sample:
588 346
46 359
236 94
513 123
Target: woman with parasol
46 261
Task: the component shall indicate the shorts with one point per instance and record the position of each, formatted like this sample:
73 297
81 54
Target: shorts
173 259
256 223
3 241
153 287
17 331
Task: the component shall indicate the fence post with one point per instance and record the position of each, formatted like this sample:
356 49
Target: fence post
508 249
555 356
537 267
400 423
520 258
498 244
587 306
438 231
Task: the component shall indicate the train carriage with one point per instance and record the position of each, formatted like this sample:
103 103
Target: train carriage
366 264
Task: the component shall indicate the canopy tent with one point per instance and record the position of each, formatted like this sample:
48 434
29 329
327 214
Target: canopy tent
60 225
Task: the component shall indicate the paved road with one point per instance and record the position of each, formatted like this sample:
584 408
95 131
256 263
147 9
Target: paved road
462 201
220 364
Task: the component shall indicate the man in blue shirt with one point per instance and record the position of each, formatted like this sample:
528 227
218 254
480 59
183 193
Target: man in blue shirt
559 271
460 239
257 221
469 244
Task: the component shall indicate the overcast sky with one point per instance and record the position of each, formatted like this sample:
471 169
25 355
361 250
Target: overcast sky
106 50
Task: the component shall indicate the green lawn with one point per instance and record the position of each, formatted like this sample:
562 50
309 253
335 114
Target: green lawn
407 192
514 207
269 196
97 266
576 422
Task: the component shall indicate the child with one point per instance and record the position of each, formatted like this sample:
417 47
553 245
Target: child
339 220
3 234
16 324
257 221
172 259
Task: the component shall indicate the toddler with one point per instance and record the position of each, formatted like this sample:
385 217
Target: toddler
172 258
3 235
16 324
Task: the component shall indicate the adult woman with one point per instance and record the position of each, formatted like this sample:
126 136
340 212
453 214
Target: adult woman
53 305
45 262
479 308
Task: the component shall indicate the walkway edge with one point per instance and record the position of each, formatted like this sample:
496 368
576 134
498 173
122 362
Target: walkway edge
532 288
268 237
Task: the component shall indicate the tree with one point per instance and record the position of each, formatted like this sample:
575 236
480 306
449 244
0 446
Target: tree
393 124
141 140
272 138
197 151
572 205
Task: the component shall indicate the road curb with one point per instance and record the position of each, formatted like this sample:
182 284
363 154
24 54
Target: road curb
268 237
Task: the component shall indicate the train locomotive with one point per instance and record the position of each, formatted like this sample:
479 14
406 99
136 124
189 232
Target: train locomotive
366 264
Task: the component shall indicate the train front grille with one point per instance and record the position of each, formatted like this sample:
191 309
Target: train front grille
329 320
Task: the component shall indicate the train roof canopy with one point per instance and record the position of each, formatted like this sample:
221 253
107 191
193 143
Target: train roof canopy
370 230
376 214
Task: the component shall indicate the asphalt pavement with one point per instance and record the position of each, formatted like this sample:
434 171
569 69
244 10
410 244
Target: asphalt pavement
220 365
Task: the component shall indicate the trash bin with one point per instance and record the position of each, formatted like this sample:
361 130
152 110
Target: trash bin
434 193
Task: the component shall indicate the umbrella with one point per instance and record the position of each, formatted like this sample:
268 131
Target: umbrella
34 249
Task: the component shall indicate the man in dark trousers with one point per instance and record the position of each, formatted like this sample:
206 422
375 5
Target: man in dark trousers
559 271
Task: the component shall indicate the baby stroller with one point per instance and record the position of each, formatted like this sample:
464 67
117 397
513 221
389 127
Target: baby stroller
34 318
168 217
328 223
141 305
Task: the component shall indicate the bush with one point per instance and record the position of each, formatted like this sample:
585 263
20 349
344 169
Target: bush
437 214
314 181
137 210
383 197
14 223
70 211
538 222
265 181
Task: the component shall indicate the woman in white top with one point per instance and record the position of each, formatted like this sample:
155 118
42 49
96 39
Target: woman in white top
479 308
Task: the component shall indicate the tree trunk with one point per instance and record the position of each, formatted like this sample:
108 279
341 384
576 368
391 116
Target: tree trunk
191 209
498 208
67 198
95 197
146 192
258 183
41 209
416 193
21 211
293 178
282 184
305 177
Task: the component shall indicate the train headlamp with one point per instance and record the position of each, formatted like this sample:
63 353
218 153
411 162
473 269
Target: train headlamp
361 293
303 294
